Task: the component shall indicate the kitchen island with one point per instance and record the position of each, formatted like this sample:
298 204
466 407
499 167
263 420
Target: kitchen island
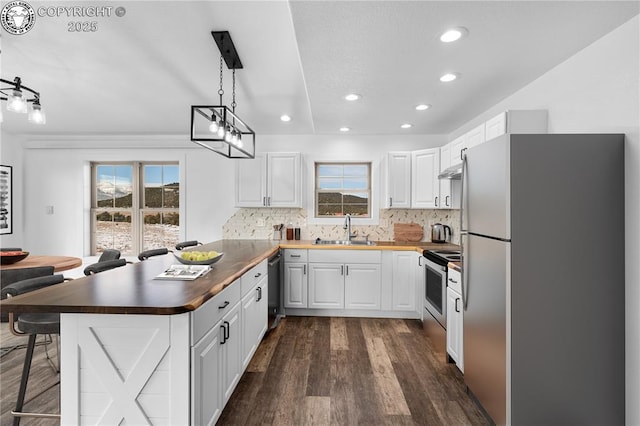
151 351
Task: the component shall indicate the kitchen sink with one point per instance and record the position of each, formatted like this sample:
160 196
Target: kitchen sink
344 242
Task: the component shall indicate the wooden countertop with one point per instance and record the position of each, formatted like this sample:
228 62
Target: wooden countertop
132 289
59 263
418 246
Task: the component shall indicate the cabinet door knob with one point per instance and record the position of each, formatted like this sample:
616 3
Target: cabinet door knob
224 334
264 201
390 201
341 269
347 267
446 201
304 269
436 203
259 294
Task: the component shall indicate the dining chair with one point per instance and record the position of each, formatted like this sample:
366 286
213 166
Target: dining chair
32 324
98 267
153 252
185 244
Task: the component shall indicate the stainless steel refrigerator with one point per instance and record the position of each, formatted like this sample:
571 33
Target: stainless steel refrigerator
543 278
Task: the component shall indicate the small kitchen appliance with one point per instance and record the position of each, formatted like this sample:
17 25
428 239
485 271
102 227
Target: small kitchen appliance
440 233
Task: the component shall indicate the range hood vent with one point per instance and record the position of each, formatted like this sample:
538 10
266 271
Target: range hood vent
453 172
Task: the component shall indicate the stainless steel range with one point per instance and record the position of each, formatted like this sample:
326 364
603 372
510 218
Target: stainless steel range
435 294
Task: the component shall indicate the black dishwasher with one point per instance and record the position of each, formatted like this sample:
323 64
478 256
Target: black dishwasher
275 278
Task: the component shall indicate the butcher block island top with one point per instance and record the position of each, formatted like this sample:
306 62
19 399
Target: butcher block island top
134 289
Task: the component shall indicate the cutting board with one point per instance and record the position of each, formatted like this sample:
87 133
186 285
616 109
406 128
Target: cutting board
407 232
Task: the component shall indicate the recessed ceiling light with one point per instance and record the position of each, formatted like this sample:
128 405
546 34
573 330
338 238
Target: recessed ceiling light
449 77
285 117
406 126
453 34
345 129
352 97
423 107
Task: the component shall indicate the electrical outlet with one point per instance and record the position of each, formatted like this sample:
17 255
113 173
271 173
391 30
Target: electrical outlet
260 223
48 209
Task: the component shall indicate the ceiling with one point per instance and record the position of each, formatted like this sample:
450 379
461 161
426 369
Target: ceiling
139 73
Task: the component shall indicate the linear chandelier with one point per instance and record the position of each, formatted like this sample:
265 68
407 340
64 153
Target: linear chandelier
17 100
217 127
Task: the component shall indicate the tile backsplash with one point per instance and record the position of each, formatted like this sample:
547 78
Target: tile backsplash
257 223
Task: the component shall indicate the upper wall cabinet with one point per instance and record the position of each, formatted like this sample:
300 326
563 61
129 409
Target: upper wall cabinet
273 179
517 121
425 188
457 146
397 180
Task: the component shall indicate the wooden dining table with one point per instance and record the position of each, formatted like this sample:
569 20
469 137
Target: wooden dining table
59 263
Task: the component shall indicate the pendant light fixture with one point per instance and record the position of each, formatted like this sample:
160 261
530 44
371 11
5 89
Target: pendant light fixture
18 101
217 127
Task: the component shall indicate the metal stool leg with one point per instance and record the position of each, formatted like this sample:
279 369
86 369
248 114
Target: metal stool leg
25 377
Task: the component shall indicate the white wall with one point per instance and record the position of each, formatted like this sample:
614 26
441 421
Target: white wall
11 155
597 91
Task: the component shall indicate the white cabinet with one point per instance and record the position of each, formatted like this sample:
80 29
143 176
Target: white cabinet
455 345
326 286
404 292
517 121
295 278
445 184
254 319
206 365
475 136
398 180
425 188
216 357
362 286
345 279
273 179
231 352
456 148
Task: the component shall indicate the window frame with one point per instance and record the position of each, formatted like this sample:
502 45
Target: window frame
368 190
137 209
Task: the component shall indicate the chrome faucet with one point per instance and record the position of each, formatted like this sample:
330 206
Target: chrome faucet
347 226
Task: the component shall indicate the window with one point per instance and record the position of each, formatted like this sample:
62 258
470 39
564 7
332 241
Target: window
135 206
343 188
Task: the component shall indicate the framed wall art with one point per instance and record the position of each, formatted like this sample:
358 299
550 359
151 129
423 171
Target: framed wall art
6 200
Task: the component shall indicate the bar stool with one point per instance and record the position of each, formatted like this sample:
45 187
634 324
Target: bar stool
98 267
185 244
153 252
32 324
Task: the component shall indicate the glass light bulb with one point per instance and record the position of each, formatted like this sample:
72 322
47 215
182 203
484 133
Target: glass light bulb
213 127
227 135
239 143
37 115
234 137
220 129
17 103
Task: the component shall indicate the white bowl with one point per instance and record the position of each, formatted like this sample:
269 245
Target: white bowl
197 262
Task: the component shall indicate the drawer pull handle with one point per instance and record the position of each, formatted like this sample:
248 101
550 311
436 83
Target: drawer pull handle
224 334
259 291
296 255
257 275
224 305
457 309
453 281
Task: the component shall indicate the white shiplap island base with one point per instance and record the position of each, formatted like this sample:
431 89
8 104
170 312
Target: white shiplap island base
125 367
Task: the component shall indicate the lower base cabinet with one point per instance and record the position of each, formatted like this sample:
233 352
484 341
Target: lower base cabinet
455 347
362 286
220 356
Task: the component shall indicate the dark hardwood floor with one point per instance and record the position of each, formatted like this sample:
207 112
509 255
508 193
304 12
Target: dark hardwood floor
349 371
311 371
41 377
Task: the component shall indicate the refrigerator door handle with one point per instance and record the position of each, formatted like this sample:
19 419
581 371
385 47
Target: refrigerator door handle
463 233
